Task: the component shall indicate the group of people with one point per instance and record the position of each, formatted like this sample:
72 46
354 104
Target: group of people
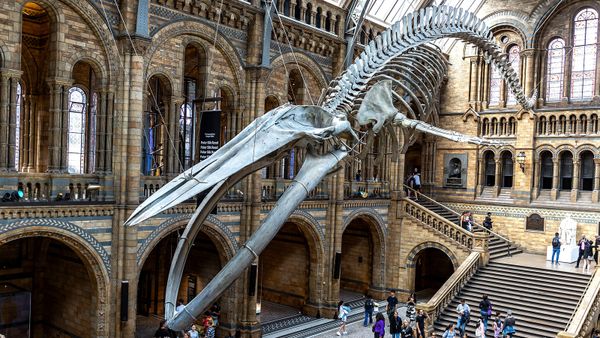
588 251
502 327
413 181
398 327
210 321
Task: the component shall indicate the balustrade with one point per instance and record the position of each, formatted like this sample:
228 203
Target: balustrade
366 189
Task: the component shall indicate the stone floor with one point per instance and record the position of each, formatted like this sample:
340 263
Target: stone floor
539 261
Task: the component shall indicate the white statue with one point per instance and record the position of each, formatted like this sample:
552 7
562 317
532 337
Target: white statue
568 231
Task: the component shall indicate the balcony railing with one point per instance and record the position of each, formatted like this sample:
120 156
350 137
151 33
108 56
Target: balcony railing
273 188
366 189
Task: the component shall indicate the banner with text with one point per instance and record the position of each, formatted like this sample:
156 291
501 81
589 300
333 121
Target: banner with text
210 133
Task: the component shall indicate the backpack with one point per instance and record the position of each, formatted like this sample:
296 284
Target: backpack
555 242
369 303
466 315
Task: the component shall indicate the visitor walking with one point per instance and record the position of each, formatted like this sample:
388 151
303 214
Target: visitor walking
555 248
369 306
421 318
407 330
450 331
485 309
417 180
464 314
193 332
480 330
410 183
487 222
379 328
343 312
509 325
581 245
163 331
411 312
587 255
395 325
210 331
596 246
392 302
498 326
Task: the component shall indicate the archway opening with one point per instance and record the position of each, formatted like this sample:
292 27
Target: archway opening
566 170
546 171
413 159
47 282
284 274
433 267
203 263
356 274
587 171
490 169
507 169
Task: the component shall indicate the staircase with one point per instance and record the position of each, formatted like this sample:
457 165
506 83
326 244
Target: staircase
541 300
498 246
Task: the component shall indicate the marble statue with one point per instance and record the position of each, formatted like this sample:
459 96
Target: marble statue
568 231
393 87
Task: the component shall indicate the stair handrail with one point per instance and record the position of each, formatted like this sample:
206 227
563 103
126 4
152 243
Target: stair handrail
582 319
436 305
448 229
456 213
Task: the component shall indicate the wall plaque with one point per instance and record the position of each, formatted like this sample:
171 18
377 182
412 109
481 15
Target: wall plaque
534 222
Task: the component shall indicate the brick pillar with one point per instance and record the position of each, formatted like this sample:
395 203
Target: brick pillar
100 131
498 178
537 168
481 176
12 124
528 57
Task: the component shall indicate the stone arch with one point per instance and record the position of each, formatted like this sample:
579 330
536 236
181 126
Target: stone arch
169 83
410 259
546 147
212 227
204 31
587 147
486 149
97 23
565 148
84 245
514 18
378 232
300 59
88 57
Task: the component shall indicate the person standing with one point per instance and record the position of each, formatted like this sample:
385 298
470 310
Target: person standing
395 325
358 176
485 309
587 255
369 306
555 248
450 331
379 328
343 312
193 332
407 331
421 318
163 331
581 245
480 330
498 326
392 302
417 180
509 325
487 222
596 246
464 314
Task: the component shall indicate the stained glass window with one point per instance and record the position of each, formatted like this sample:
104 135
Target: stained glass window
555 70
583 72
495 85
514 57
76 133
18 124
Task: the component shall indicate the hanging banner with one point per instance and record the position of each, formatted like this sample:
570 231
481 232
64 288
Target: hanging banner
210 133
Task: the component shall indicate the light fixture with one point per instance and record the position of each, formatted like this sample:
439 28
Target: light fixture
521 160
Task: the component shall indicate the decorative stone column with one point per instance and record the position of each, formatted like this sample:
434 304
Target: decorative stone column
536 179
528 57
100 131
497 178
596 192
4 113
575 183
554 191
481 176
12 124
108 148
56 115
64 130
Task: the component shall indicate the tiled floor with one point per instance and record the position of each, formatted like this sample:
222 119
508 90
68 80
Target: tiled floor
539 261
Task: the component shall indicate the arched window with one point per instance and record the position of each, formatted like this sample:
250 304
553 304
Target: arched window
585 37
587 171
503 126
552 125
298 10
562 124
507 170
494 129
318 17
555 70
546 170
495 85
593 128
514 57
572 129
485 127
490 169
328 22
286 7
542 125
19 94
76 133
308 13
512 126
566 170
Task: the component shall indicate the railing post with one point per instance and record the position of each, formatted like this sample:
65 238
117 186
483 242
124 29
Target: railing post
480 244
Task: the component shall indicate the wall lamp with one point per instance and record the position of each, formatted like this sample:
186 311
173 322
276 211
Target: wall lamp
521 160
